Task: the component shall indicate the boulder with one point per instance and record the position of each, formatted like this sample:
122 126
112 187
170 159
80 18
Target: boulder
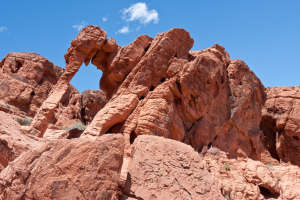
66 169
166 169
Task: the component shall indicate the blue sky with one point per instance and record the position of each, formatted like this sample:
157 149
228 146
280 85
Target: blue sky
264 34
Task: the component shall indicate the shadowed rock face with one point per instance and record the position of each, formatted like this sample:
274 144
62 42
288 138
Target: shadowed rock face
280 123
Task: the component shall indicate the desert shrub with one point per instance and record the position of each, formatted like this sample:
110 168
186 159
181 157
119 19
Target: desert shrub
24 122
278 178
79 126
270 166
8 106
227 166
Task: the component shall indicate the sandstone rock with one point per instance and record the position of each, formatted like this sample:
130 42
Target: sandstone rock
83 48
12 141
199 97
280 123
167 169
66 169
92 102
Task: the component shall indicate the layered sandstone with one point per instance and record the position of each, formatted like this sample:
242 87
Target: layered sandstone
280 123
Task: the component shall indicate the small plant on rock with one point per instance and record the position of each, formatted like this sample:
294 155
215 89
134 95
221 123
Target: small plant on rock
227 166
24 122
79 126
8 106
278 178
270 166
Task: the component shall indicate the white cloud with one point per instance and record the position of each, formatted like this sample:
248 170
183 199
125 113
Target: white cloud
80 26
124 30
140 12
105 18
2 29
138 28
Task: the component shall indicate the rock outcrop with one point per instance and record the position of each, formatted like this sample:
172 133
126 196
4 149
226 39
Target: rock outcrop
200 97
280 123
66 169
167 169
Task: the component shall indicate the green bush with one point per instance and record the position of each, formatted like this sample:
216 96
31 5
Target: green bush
227 166
79 126
24 122
278 178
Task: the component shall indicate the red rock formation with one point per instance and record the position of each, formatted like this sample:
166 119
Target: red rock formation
66 169
83 48
280 123
167 169
92 102
200 97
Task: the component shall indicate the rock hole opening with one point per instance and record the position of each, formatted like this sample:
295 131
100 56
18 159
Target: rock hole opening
267 194
163 80
132 137
296 138
209 145
142 97
268 128
179 87
152 88
16 68
175 55
32 94
240 82
147 48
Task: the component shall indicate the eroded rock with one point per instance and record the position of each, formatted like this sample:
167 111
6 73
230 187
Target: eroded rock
167 169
